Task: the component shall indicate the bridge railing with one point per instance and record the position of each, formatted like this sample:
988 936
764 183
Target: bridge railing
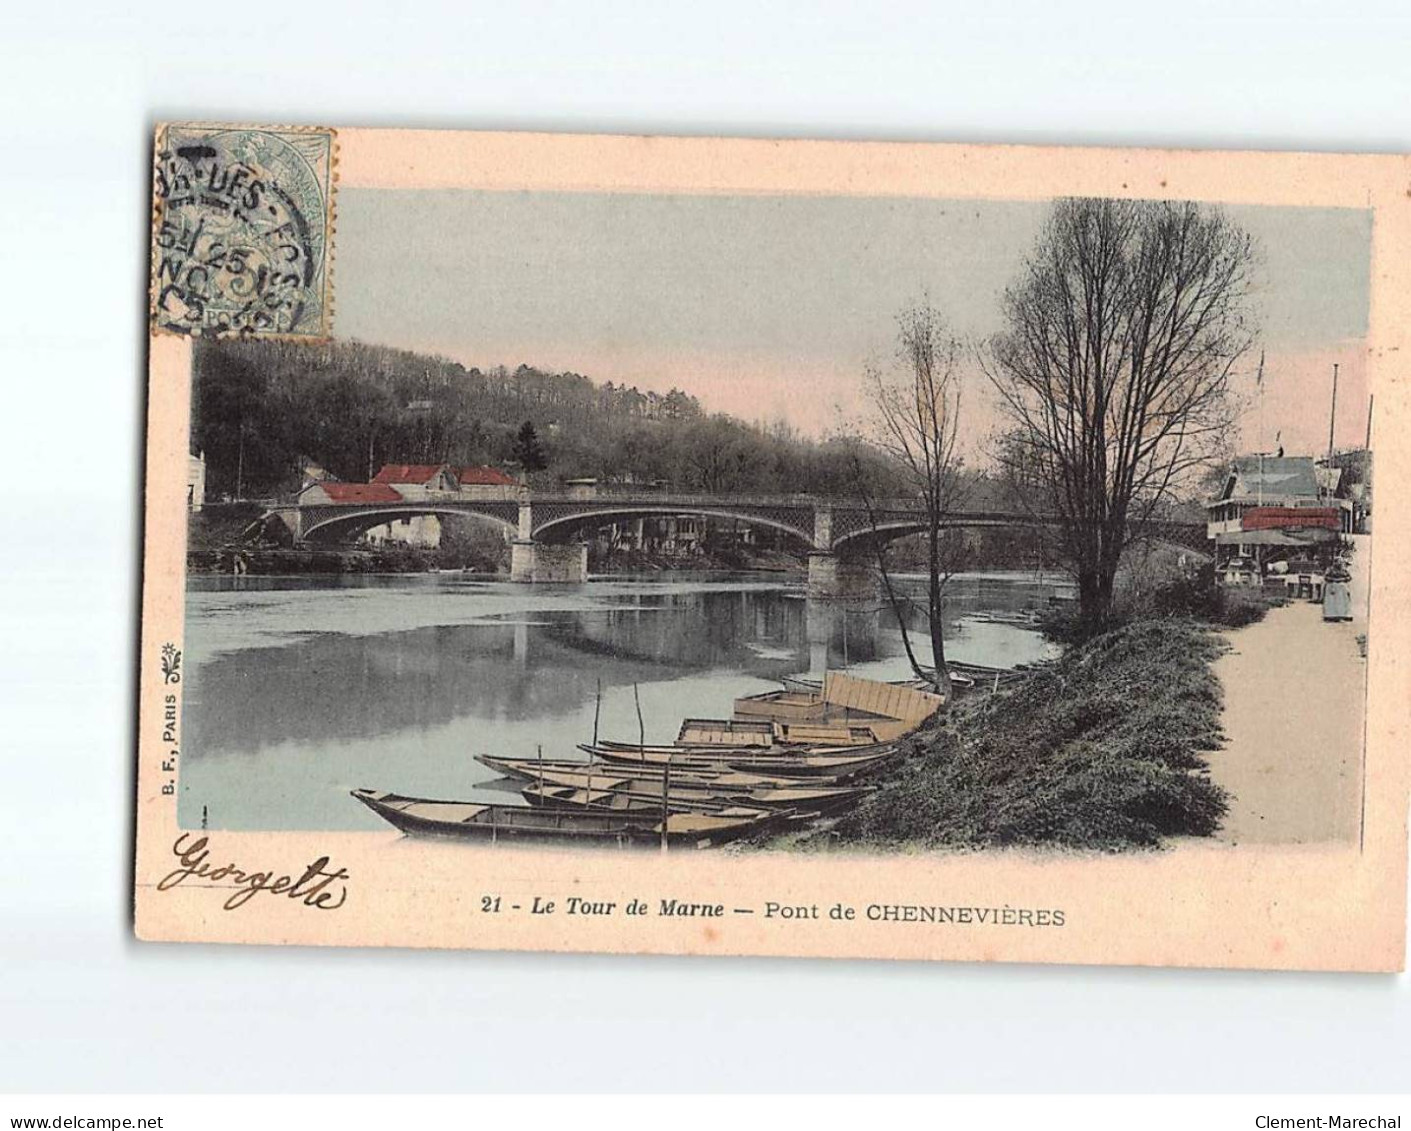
682 498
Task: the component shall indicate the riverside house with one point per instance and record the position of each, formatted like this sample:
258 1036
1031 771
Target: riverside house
1274 509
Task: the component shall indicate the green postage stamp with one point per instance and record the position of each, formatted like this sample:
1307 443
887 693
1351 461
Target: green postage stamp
242 226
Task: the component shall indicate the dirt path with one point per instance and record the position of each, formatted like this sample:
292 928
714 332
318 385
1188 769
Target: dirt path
1295 689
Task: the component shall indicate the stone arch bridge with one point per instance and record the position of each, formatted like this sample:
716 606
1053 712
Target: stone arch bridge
548 530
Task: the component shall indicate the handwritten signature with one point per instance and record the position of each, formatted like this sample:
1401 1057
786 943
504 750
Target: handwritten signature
314 887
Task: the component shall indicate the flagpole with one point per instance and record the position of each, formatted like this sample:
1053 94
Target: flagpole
1333 414
1259 384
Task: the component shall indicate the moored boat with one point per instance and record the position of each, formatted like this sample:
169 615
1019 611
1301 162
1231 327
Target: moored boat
778 753
874 710
788 704
839 765
726 732
467 820
719 774
678 793
760 732
805 693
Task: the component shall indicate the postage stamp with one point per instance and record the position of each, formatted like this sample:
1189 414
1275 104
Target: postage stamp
242 231
717 546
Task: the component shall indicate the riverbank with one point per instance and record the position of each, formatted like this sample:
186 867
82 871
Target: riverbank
290 561
1106 748
1295 694
264 561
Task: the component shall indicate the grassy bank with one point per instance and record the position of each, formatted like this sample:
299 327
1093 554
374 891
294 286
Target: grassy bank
1101 749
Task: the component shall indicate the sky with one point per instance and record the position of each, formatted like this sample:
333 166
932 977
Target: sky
770 307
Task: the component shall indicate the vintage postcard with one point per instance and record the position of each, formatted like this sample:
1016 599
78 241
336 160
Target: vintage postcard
726 547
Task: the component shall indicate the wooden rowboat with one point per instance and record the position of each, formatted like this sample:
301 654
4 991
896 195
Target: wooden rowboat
761 732
467 820
726 732
531 769
790 704
840 766
779 756
645 792
800 694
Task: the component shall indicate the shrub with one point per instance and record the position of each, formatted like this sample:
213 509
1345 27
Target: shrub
1195 596
1101 749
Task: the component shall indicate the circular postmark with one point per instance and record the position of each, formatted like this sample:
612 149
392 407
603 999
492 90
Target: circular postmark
240 231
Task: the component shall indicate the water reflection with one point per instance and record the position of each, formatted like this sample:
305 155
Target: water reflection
296 694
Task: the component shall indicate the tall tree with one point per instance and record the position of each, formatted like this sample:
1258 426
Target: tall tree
916 421
1113 368
528 452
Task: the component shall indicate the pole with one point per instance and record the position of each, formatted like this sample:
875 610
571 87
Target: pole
1260 383
641 728
1258 554
1367 446
665 800
1333 416
597 710
541 773
240 464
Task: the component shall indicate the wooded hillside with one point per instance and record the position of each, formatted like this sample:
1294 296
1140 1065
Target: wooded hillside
263 409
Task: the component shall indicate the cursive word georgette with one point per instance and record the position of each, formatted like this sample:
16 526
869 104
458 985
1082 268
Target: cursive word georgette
313 887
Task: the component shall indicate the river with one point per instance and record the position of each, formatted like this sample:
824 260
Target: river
300 689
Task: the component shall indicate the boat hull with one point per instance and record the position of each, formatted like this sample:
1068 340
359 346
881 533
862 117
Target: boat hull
838 767
617 794
470 821
533 770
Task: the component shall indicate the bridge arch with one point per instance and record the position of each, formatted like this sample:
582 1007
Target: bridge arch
560 526
889 529
348 524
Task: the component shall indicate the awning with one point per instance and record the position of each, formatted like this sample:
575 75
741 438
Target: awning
1291 518
1306 537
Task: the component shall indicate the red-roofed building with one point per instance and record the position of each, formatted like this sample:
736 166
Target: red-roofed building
417 480
488 483
484 477
346 493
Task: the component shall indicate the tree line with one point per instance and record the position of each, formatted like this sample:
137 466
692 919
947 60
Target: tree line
262 410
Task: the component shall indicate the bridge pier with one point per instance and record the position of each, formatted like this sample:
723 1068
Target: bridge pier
833 578
543 562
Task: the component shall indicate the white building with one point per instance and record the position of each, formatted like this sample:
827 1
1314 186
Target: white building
196 481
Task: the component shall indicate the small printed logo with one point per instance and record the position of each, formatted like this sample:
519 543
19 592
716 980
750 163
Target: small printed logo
171 663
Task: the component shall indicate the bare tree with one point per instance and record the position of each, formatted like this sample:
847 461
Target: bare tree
1114 366
916 421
